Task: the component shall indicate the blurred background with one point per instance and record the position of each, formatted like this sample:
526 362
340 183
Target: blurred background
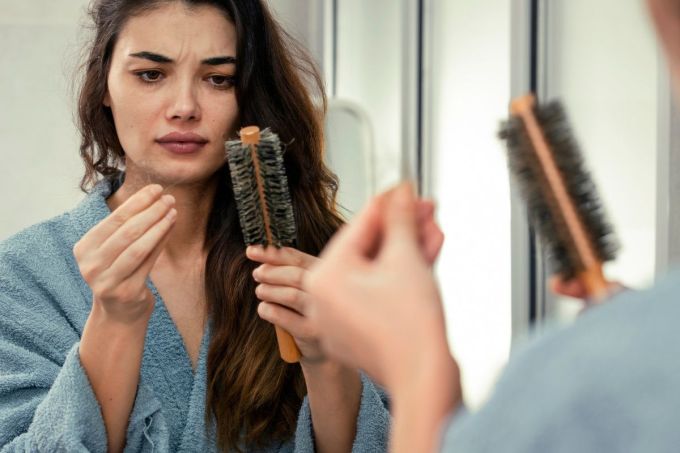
417 89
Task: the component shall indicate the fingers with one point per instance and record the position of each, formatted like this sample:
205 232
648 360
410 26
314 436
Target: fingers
285 256
291 298
575 287
116 256
136 227
281 283
400 213
424 210
431 240
360 239
139 276
96 256
291 276
135 256
132 206
570 288
287 319
430 236
401 229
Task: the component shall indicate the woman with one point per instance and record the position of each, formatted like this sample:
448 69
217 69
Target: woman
131 322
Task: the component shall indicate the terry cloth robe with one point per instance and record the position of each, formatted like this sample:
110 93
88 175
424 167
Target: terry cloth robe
46 401
608 383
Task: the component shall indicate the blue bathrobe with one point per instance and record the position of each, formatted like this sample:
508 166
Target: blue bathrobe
608 383
46 401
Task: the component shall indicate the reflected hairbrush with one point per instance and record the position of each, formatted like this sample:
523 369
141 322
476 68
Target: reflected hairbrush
263 201
561 197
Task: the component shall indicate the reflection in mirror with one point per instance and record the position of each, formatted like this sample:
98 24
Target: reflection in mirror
139 320
350 153
614 110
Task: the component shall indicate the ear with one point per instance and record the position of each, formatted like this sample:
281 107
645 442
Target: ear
107 99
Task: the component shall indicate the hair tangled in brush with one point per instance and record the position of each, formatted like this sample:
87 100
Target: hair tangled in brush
543 211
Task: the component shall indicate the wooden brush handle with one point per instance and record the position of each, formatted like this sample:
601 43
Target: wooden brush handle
287 347
251 136
597 287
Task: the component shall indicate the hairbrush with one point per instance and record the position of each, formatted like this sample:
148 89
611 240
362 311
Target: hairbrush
263 201
562 200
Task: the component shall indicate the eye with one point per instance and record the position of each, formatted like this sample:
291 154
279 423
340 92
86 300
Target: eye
222 81
149 76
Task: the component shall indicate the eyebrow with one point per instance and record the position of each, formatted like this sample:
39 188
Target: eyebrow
217 61
158 58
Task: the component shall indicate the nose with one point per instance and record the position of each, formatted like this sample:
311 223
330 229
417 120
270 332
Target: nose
184 104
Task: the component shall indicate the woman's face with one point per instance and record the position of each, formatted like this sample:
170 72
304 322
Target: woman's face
171 92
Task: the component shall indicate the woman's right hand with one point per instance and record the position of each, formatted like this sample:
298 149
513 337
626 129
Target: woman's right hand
575 288
116 256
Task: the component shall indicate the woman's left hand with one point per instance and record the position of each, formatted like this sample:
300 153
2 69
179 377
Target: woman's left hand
284 302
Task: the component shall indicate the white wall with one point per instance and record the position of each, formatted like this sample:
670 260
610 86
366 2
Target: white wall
40 168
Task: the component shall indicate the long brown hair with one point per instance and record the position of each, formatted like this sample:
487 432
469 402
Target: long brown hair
253 396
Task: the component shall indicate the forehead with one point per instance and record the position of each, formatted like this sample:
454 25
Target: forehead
176 30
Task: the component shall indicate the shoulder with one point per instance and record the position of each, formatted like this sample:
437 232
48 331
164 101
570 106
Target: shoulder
47 242
621 343
44 300
37 266
606 383
632 322
38 245
41 295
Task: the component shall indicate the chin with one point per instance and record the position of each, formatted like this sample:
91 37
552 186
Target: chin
179 175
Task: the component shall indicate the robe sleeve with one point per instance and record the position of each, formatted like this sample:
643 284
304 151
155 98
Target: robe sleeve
373 423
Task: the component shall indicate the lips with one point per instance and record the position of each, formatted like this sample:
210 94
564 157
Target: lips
182 143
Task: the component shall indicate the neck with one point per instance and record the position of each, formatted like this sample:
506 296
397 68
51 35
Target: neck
193 202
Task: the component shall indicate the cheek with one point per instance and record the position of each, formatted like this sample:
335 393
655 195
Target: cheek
224 117
132 107
130 116
133 117
129 121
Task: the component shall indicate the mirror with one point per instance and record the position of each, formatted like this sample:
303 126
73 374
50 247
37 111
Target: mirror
472 57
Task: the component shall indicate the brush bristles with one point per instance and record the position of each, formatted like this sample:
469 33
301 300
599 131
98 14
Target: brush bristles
279 203
275 183
544 214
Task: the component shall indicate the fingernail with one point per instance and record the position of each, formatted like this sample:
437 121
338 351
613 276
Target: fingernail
255 274
171 215
156 189
263 309
168 199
